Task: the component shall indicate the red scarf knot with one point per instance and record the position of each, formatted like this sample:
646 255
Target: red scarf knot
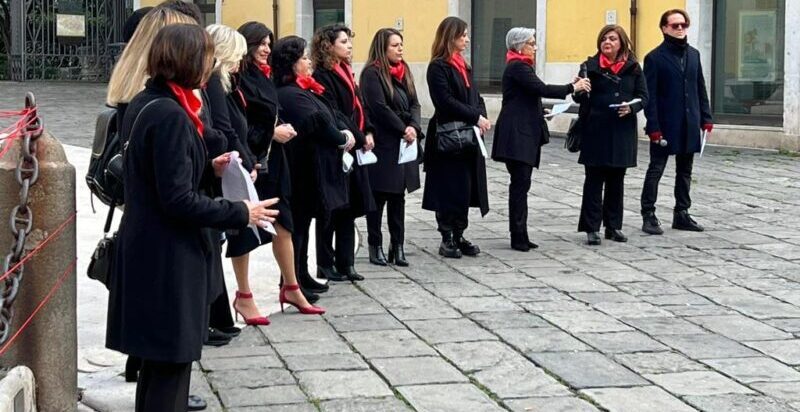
614 67
344 71
457 61
513 55
398 71
266 69
190 103
310 83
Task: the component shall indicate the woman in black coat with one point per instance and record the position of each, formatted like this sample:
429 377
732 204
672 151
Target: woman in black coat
390 100
609 142
159 294
454 181
331 50
521 129
319 183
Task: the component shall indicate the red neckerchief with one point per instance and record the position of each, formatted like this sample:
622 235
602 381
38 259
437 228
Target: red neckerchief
266 69
457 61
310 83
512 55
190 103
344 71
606 63
398 71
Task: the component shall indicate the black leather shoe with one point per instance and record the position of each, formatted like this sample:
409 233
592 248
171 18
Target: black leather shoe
466 247
683 221
651 224
616 235
231 331
376 256
197 403
593 238
351 274
308 283
310 296
331 274
448 247
216 338
519 242
532 245
397 255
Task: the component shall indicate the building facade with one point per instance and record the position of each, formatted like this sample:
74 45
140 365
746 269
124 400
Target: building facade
748 50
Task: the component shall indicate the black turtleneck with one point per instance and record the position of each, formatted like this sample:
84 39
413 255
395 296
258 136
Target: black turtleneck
674 41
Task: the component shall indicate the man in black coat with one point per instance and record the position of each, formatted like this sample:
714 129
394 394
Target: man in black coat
677 113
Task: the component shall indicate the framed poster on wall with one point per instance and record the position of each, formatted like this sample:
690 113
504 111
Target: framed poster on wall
757 46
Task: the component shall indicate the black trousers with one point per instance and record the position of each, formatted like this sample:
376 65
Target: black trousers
455 222
300 239
395 217
683 181
343 225
518 196
596 204
220 311
163 386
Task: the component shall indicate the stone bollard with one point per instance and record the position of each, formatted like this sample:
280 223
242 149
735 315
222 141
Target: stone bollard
48 346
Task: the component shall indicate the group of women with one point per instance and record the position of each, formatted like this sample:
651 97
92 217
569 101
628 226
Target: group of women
191 101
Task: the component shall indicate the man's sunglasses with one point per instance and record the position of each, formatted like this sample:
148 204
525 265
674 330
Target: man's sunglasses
678 26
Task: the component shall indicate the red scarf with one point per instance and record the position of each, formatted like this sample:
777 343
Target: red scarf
310 83
615 67
241 98
190 103
345 72
457 61
398 71
266 69
512 55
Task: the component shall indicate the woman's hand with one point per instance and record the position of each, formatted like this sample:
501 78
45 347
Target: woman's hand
547 112
259 213
581 84
484 124
410 134
351 140
284 133
220 162
370 144
624 111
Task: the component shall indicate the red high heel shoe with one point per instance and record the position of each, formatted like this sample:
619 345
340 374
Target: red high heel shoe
258 320
308 310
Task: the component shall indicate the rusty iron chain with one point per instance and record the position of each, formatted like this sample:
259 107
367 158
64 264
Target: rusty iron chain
21 219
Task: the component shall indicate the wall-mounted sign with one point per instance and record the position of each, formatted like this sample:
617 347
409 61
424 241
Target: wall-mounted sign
70 25
757 46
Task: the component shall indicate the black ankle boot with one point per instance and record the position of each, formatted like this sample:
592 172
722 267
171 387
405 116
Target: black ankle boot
593 238
331 274
520 242
681 220
616 235
308 283
651 224
465 246
350 273
448 247
397 255
376 256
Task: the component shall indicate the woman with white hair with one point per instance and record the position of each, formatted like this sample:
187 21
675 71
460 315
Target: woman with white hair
521 129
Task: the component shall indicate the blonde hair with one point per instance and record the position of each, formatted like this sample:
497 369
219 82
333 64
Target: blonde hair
229 49
130 73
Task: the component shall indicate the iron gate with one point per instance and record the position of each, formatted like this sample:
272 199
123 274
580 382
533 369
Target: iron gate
74 40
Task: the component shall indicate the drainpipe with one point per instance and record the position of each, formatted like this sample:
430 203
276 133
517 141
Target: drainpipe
634 10
275 18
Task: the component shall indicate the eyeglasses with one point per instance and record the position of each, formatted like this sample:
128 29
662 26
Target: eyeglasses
678 26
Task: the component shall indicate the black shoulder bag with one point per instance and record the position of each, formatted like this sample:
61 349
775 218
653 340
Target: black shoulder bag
453 137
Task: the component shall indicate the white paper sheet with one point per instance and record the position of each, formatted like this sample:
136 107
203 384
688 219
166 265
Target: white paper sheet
237 185
617 106
703 143
347 162
366 157
481 144
408 152
558 109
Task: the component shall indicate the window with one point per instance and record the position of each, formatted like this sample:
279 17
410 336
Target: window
328 12
491 20
748 61
208 8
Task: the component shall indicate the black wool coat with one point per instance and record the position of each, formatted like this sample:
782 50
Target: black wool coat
229 119
678 106
453 182
390 115
319 185
158 299
521 128
609 140
341 101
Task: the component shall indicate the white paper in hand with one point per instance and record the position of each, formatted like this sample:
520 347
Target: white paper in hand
347 162
366 157
617 106
408 152
481 144
237 186
703 143
558 109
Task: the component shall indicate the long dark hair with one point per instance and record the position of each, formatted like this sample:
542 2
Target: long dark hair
322 43
287 51
377 57
625 50
255 33
448 31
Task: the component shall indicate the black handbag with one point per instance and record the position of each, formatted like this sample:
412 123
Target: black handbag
573 141
101 265
453 137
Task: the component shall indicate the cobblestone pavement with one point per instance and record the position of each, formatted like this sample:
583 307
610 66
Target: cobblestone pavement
680 322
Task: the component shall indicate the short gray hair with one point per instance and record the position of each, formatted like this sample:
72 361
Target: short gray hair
518 36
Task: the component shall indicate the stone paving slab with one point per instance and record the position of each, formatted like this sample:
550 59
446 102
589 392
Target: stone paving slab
645 398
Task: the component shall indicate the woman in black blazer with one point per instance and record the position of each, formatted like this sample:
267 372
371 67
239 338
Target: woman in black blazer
319 183
159 294
609 142
331 50
390 100
521 130
454 182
